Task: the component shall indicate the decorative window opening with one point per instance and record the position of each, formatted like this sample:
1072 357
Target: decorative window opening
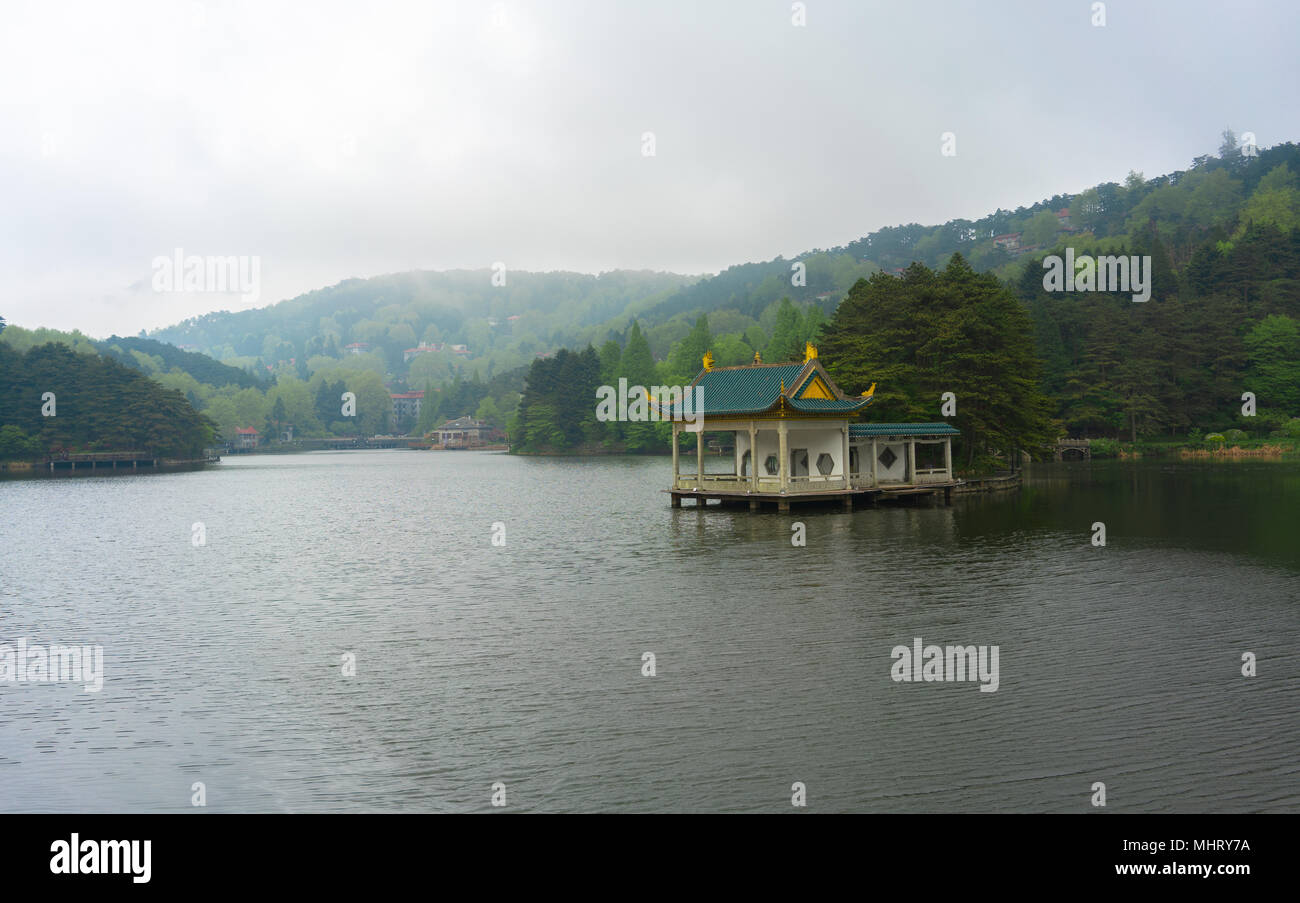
770 465
825 464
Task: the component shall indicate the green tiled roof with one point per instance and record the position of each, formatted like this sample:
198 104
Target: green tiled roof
827 405
902 429
744 390
756 389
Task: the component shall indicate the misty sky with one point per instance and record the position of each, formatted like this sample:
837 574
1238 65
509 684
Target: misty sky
354 139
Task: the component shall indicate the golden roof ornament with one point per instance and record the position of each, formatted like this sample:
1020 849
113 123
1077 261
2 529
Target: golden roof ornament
809 352
758 358
708 360
871 391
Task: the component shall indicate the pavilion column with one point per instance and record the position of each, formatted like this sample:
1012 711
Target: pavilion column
699 459
873 463
911 461
947 456
677 428
844 460
753 458
783 454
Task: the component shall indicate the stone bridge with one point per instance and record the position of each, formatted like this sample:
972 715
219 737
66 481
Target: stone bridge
1075 449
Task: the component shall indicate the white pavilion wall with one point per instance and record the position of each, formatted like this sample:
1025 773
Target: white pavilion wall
818 438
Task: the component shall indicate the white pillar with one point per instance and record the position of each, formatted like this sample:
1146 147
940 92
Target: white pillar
844 460
911 460
947 456
783 455
677 428
753 458
699 459
873 463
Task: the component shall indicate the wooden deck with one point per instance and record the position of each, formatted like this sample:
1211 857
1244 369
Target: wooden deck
782 500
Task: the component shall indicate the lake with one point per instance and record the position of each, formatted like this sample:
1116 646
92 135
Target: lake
522 664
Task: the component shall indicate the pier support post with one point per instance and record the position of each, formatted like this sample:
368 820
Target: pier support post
677 500
753 504
783 506
848 503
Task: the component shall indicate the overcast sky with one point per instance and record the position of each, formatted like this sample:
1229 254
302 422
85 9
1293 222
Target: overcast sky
353 139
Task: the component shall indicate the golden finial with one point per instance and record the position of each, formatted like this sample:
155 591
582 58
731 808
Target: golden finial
708 360
758 358
869 392
809 352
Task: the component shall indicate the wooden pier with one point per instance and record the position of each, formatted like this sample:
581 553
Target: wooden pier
931 492
121 460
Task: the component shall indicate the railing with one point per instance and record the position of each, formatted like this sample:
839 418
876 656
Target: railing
722 481
932 475
816 481
730 482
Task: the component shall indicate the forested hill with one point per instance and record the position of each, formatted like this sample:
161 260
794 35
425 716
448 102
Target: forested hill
488 321
152 356
58 398
494 328
146 355
1214 346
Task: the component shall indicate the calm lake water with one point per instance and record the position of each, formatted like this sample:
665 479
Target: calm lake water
522 663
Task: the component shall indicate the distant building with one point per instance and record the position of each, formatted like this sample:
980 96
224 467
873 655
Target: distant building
357 348
1063 219
422 348
406 407
1008 242
245 437
462 432
460 349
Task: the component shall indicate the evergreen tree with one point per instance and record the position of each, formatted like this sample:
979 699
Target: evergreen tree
686 358
786 343
930 333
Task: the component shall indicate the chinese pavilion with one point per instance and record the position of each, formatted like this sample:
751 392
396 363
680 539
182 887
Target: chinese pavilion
794 440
